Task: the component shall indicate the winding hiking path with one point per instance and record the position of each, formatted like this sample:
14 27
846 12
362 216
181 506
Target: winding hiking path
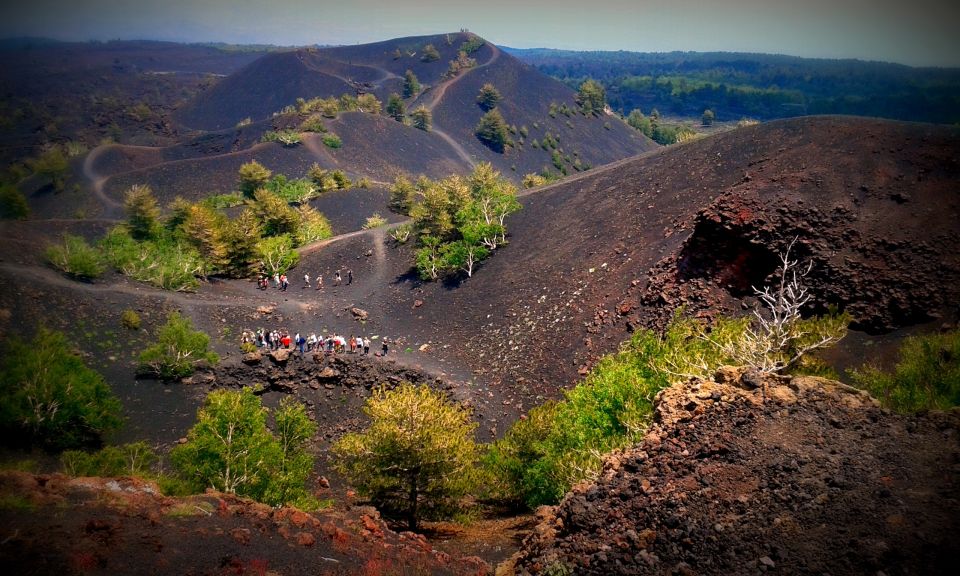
111 206
430 100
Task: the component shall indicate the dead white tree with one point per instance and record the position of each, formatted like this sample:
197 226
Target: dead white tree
778 336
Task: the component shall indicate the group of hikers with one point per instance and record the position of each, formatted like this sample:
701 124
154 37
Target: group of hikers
332 344
281 282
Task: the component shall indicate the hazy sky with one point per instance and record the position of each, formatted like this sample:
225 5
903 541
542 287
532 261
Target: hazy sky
918 32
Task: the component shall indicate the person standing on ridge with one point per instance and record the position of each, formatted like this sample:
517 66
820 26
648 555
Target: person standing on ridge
319 281
350 276
336 279
306 280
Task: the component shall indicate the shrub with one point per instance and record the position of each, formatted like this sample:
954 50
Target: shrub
926 376
401 234
292 191
313 124
130 320
489 97
179 348
314 226
52 164
143 213
533 180
75 258
430 54
165 262
134 459
396 109
287 138
492 131
231 449
411 85
51 397
421 118
331 140
374 221
13 204
252 176
415 457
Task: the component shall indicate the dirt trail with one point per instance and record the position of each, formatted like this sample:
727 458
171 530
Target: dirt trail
111 206
436 95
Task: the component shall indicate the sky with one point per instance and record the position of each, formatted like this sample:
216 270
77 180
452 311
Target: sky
915 32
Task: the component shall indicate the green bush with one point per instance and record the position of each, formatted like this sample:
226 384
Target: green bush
231 449
165 262
178 350
13 204
331 140
415 458
130 319
51 397
75 258
374 221
926 376
134 459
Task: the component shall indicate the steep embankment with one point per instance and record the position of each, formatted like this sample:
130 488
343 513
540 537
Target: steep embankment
813 479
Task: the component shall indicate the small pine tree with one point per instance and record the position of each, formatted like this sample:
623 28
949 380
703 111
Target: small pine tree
708 117
13 204
493 132
411 85
489 97
422 118
592 97
430 54
252 177
143 213
395 107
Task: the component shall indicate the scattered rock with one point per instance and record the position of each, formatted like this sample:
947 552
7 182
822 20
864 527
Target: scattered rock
359 313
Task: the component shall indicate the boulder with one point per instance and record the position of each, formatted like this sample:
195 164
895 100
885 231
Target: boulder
280 355
359 313
252 358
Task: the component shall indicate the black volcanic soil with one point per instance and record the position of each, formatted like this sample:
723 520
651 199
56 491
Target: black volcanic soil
810 478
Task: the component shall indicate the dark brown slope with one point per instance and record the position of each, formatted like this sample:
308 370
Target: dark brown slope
527 98
874 204
263 87
816 479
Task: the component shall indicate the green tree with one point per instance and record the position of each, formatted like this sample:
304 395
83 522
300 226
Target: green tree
52 164
13 204
143 212
489 97
368 103
178 349
239 241
422 118
275 215
402 194
230 449
640 122
75 258
708 117
313 226
252 177
591 97
493 132
395 107
205 228
411 85
415 458
51 397
276 254
430 54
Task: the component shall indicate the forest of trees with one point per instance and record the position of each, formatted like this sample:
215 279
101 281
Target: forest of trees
761 86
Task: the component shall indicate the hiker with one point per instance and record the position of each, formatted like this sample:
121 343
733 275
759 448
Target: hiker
336 278
306 280
319 281
353 344
384 348
284 283
366 346
349 276
276 279
286 340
